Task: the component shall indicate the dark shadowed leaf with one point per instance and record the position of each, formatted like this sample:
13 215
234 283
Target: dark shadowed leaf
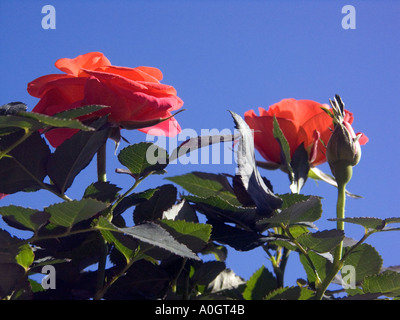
133 200
25 169
207 272
11 276
162 199
261 195
181 211
300 167
102 191
75 154
302 212
195 143
143 280
9 247
239 239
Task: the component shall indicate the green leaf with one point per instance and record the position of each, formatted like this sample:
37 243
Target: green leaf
365 259
56 122
162 199
13 121
143 158
323 241
138 124
204 185
322 265
291 293
152 234
126 245
79 112
69 213
302 212
24 218
25 167
372 223
387 283
194 235
73 155
259 285
285 148
25 256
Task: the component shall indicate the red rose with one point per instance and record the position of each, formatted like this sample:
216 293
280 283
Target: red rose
300 121
133 94
2 195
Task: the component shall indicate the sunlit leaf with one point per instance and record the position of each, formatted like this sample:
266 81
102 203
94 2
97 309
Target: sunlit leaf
143 158
152 234
69 213
259 285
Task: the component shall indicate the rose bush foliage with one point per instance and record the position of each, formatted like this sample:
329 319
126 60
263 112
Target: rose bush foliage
177 243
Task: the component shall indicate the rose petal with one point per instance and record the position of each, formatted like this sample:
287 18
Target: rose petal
90 61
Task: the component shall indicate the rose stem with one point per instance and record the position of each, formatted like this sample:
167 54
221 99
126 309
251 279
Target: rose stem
342 179
101 177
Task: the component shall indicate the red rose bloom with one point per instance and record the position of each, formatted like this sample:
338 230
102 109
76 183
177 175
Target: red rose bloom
300 121
133 94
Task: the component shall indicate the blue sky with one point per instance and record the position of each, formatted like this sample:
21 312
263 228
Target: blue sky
233 55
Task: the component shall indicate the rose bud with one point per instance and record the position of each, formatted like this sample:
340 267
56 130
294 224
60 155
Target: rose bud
343 150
